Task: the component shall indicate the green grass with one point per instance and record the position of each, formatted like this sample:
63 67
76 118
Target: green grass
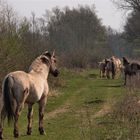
72 115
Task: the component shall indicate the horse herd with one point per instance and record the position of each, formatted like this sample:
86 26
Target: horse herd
21 87
113 67
110 66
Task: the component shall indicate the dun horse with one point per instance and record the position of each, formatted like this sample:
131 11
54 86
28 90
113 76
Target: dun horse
113 66
20 87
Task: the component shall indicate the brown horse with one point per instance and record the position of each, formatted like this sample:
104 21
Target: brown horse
110 68
20 87
102 66
130 68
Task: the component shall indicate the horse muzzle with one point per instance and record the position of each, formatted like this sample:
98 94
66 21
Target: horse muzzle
56 73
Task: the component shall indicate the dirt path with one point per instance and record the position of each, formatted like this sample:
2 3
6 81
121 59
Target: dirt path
60 110
105 110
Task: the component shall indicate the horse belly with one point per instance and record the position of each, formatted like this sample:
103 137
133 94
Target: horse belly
34 95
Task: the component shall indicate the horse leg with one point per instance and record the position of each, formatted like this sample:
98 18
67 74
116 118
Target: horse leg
42 104
2 117
1 127
19 106
108 75
30 117
16 116
103 74
113 75
100 74
125 79
1 131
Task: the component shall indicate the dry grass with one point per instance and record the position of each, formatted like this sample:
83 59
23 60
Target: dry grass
133 82
56 82
127 112
128 109
53 93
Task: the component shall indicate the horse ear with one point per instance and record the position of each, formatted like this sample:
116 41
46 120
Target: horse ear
53 54
125 61
47 54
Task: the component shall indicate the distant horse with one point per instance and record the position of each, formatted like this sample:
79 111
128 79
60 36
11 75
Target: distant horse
130 68
110 68
113 66
117 63
20 87
102 66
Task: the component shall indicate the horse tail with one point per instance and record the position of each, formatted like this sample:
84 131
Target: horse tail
7 99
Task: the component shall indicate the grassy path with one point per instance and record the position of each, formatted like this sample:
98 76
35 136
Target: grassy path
77 113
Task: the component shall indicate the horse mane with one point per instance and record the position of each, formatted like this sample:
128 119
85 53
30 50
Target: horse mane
38 64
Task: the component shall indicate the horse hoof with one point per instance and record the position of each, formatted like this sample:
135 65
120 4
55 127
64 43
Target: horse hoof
16 134
1 135
29 131
42 132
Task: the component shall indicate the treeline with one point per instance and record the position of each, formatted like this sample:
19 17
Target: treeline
78 36
131 32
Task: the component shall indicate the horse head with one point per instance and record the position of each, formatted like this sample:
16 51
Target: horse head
49 58
125 61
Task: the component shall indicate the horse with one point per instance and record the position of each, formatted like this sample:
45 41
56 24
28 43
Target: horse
102 66
117 63
130 69
113 66
30 87
110 68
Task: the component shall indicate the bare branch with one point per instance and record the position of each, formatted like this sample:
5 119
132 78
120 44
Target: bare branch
127 4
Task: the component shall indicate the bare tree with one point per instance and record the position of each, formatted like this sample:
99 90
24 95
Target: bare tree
128 4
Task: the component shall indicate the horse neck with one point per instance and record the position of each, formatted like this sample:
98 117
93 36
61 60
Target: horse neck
40 69
45 72
40 73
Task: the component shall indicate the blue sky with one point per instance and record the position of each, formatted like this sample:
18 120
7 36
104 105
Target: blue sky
109 14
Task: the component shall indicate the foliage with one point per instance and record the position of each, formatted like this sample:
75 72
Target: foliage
131 28
77 34
119 44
